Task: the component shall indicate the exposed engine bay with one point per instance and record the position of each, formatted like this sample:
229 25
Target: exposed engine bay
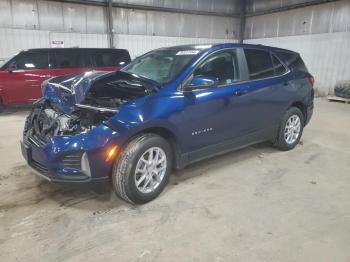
45 121
101 101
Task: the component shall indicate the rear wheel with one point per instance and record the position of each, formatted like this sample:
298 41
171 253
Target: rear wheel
143 169
290 130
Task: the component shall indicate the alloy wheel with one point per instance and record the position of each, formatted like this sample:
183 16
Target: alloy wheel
292 129
150 170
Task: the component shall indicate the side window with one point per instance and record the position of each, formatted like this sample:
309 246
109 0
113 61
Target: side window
110 58
67 58
279 68
293 60
32 60
299 65
222 66
259 63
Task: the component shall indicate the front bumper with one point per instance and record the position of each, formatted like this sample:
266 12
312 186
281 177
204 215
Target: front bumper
51 160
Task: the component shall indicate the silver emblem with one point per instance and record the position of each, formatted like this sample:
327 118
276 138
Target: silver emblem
198 132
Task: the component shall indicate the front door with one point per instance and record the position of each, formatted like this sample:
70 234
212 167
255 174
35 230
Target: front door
208 117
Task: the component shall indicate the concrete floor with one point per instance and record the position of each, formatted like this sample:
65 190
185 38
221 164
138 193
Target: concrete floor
256 204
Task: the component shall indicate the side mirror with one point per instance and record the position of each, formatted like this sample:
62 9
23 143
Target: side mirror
200 82
12 67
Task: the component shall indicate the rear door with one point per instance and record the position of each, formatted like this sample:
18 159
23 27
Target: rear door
109 59
24 77
267 90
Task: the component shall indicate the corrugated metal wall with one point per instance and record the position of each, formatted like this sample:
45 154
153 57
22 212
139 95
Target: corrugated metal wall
327 56
14 40
34 23
317 19
320 33
140 44
140 22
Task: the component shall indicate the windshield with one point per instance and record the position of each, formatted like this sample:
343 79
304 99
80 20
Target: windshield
3 62
161 66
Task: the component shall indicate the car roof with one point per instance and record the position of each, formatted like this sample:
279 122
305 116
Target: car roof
225 45
73 48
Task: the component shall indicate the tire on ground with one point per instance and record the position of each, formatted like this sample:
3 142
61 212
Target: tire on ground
123 174
280 141
342 89
1 105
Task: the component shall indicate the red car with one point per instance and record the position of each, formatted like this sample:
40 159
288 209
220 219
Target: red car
21 77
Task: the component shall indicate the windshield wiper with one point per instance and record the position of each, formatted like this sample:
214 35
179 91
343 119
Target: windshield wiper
148 83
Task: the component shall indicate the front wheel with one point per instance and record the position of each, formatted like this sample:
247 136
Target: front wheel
143 169
291 129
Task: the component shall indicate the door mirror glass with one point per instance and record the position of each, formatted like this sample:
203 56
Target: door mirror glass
201 82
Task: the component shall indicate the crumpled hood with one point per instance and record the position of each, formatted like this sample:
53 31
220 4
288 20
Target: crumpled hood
66 91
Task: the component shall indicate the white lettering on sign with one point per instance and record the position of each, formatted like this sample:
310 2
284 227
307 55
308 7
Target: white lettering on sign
188 52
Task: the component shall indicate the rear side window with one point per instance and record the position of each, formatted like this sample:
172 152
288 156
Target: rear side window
32 60
278 66
293 60
259 64
66 58
110 58
299 64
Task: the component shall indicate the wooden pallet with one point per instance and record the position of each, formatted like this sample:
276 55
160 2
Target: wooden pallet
338 99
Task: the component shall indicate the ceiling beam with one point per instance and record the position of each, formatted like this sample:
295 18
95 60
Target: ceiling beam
173 10
288 7
110 24
81 2
242 18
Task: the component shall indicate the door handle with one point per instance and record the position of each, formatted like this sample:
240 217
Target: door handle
240 92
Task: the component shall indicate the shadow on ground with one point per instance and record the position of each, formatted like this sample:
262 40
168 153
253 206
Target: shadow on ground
16 110
99 197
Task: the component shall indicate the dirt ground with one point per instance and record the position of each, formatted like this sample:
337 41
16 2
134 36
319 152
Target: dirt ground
255 204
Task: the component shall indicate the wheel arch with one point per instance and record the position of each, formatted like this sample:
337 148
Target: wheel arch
165 133
301 107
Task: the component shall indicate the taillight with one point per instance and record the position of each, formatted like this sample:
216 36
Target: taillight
311 79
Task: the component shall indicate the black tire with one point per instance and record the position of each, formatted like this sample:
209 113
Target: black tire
280 141
1 105
123 175
342 89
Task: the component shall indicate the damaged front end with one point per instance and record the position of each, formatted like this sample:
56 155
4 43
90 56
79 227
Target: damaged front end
46 121
67 129
76 104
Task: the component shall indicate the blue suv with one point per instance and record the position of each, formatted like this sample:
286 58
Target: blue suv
165 110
